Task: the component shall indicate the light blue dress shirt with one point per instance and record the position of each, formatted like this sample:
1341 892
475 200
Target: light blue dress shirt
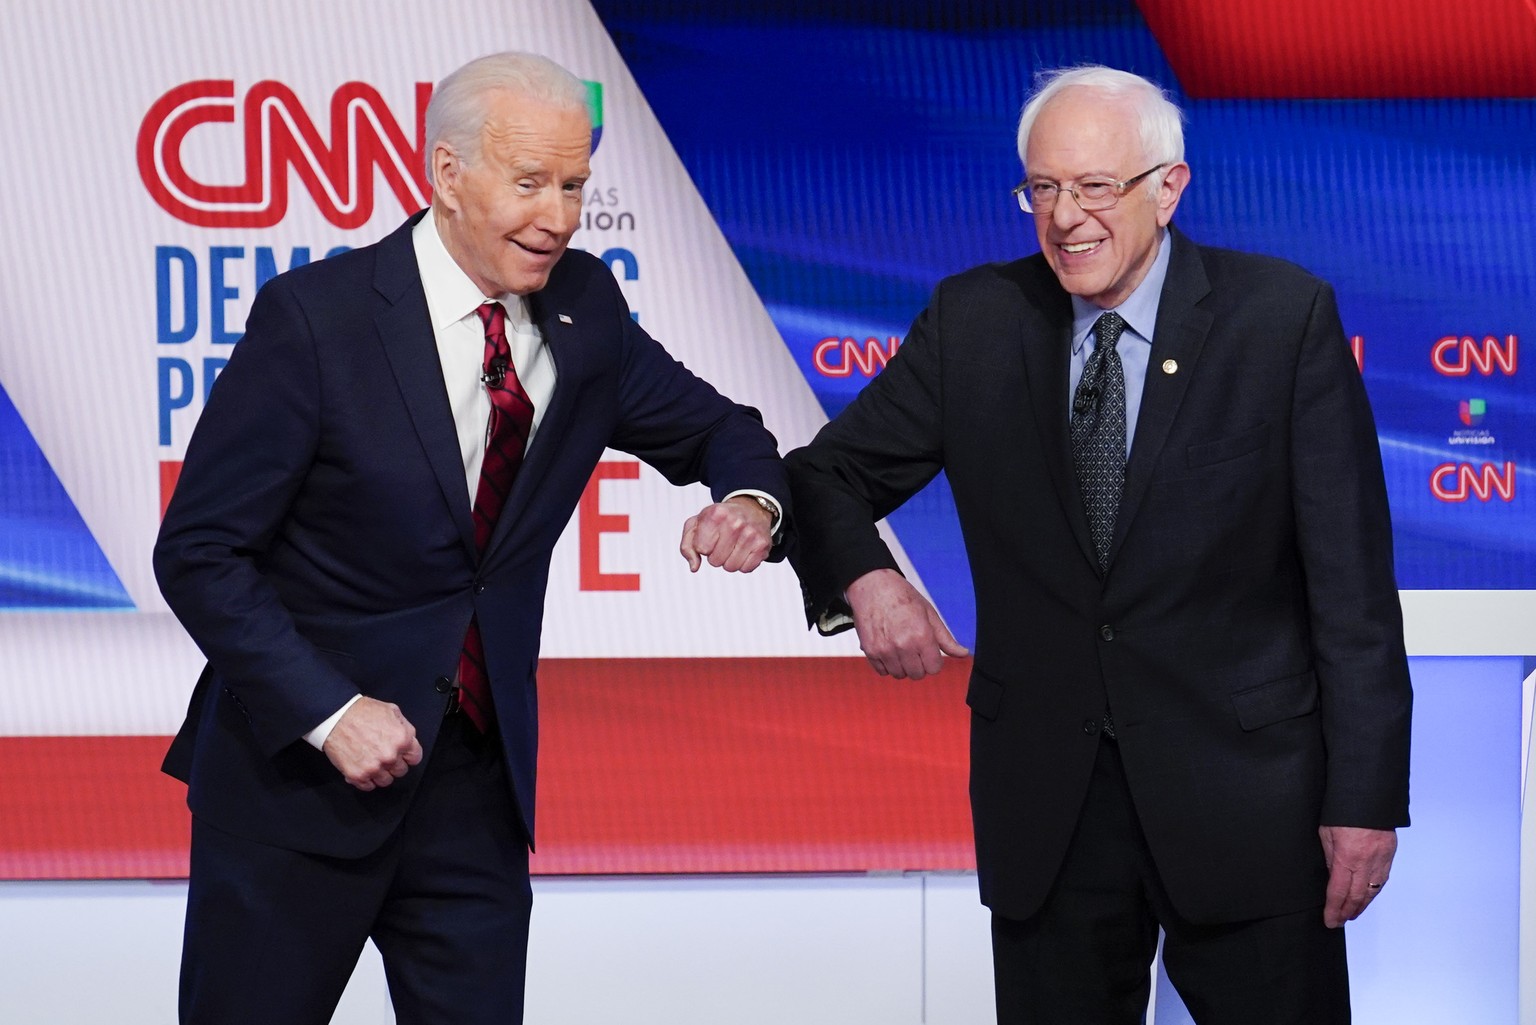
1135 346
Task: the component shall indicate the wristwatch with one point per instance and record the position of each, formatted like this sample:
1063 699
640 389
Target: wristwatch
775 515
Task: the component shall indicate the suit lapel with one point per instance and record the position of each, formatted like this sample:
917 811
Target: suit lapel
1179 336
405 331
1047 344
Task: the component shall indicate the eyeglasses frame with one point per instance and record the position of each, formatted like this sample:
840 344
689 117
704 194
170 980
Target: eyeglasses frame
1120 189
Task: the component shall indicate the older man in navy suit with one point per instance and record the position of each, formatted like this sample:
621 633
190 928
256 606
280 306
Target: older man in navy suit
360 542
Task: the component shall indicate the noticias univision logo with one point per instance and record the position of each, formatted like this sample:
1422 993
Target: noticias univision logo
1471 413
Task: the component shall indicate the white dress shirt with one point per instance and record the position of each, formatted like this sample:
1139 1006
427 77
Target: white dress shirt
452 300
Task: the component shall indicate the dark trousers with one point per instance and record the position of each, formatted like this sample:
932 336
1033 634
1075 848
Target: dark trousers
273 935
1085 957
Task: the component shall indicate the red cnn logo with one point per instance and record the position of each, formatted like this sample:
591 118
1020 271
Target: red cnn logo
1455 482
837 357
1456 357
279 135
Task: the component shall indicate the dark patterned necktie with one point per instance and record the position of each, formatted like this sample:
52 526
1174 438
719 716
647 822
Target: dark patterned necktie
1098 434
505 439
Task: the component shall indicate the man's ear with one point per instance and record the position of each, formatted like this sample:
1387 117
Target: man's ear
446 171
1170 191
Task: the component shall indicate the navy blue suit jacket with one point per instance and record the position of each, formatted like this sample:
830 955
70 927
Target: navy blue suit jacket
319 543
1247 634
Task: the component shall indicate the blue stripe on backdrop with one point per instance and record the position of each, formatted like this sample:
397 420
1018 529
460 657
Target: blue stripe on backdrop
854 153
48 558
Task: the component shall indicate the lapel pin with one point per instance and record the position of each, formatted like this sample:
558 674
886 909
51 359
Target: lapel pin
1170 366
565 318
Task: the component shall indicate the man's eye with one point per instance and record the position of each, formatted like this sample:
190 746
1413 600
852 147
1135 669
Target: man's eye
1095 190
1042 190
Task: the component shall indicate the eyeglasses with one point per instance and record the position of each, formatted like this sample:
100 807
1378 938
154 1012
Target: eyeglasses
1093 194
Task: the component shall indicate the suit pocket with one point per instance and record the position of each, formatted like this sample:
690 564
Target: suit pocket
1226 449
1276 701
984 695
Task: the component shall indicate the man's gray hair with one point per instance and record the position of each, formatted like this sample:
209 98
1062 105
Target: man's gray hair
457 110
1162 122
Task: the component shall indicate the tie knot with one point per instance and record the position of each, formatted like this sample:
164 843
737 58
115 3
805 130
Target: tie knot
1108 328
494 317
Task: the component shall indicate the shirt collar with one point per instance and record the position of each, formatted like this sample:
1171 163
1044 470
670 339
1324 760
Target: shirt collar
1139 308
451 296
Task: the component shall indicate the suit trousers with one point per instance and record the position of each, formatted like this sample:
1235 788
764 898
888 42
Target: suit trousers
1085 957
273 935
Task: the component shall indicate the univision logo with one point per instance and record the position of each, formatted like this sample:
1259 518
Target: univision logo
1471 413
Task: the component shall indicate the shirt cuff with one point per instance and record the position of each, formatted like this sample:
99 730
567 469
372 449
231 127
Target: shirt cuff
318 736
833 621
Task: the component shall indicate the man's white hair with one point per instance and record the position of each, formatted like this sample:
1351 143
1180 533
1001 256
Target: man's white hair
1162 123
457 110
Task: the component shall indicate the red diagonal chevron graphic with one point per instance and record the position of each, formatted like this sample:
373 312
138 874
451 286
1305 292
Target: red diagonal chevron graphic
1348 49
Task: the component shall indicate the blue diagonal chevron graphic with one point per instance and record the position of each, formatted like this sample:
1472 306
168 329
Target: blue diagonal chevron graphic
48 558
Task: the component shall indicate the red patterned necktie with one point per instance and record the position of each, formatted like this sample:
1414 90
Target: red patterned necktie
505 438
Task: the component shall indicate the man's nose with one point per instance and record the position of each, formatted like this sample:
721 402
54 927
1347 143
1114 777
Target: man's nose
1066 213
557 212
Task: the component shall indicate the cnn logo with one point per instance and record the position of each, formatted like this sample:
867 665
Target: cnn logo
839 357
366 141
1456 482
1458 356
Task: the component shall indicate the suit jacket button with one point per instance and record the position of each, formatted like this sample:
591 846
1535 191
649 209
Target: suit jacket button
479 587
1107 632
1090 726
442 685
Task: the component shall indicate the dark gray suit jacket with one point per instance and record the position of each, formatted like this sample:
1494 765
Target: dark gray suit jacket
1247 634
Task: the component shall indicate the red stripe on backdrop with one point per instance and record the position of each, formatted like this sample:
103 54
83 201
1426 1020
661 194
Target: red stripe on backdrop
90 808
170 473
1363 49
647 766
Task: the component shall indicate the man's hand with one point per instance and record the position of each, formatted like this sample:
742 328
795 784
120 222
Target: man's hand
1359 862
735 535
900 631
373 744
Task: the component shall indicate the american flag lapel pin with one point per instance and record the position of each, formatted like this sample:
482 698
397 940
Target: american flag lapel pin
565 318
